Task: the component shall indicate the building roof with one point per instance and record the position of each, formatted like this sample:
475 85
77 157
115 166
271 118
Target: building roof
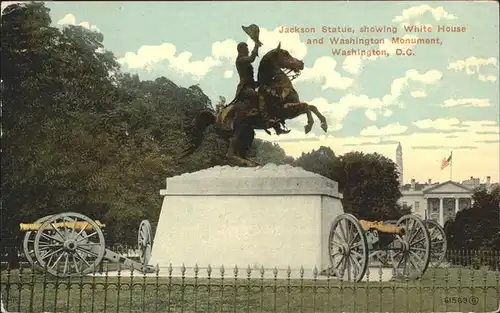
418 186
445 183
425 187
481 185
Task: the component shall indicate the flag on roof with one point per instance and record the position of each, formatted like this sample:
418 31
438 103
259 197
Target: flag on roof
446 161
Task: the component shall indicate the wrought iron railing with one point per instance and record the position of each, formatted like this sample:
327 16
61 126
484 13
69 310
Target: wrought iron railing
471 284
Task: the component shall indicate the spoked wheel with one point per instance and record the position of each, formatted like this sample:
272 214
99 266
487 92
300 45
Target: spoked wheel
145 241
438 242
348 248
413 257
69 243
29 245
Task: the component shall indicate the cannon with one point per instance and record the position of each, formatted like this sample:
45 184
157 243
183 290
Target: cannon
406 243
438 244
70 244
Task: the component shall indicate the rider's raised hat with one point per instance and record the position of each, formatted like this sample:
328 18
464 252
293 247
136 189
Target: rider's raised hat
253 31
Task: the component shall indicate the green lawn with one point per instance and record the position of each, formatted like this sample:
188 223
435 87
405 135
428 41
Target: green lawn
151 294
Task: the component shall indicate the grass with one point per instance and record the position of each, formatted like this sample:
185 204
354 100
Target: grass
440 290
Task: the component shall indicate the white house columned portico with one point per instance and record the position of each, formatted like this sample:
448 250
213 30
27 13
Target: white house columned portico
439 202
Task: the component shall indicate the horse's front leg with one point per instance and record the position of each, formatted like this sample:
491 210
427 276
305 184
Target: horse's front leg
301 108
322 119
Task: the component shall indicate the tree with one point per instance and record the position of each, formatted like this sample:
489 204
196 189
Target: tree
82 136
266 152
58 88
368 182
476 231
479 226
322 161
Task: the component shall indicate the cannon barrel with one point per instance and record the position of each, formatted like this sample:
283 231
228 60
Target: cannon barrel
381 227
73 225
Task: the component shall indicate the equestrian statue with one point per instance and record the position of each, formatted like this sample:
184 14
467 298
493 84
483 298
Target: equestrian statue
274 101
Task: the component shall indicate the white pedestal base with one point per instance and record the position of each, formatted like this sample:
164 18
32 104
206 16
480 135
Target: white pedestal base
273 216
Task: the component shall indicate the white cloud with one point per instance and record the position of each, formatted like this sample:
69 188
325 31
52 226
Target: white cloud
420 163
481 126
352 64
371 115
473 102
294 136
430 77
224 50
228 74
397 87
479 123
418 94
439 124
336 112
487 78
69 19
390 129
324 70
100 50
399 84
438 13
360 101
473 66
454 124
148 56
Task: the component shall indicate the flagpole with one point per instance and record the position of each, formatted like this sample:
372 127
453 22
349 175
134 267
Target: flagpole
451 167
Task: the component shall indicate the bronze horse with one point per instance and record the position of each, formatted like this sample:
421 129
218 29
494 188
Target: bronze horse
236 122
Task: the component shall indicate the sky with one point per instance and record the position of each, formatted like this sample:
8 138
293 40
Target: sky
440 98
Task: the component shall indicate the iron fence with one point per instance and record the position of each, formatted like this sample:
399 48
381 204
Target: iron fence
471 284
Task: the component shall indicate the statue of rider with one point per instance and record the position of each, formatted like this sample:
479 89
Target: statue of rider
247 85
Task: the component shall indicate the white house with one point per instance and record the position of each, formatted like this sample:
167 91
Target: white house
438 201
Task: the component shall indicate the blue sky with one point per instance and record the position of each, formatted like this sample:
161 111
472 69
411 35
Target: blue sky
443 98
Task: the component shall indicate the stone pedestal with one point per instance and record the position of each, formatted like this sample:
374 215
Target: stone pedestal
267 217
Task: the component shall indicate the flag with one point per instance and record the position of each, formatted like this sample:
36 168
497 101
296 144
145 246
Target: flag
446 161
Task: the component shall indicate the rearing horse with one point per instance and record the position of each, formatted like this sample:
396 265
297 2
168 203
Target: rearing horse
277 88
236 122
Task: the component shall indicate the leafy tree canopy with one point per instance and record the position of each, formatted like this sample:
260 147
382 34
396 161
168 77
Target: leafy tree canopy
368 182
80 135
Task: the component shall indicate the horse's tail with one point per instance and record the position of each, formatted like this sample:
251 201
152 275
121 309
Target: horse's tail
196 133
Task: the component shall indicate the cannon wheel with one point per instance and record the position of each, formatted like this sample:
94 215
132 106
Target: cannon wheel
145 241
28 245
414 256
65 251
438 242
348 248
